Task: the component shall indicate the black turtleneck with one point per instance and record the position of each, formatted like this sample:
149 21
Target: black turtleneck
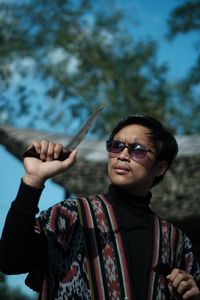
135 220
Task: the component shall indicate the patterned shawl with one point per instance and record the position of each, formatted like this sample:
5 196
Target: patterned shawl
87 259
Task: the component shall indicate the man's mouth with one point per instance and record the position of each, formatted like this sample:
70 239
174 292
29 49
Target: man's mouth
121 170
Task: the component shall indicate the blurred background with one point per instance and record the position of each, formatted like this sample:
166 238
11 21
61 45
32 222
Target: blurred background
61 59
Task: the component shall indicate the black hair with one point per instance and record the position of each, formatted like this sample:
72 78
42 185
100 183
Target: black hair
165 143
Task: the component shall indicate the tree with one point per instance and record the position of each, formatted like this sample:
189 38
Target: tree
83 57
185 19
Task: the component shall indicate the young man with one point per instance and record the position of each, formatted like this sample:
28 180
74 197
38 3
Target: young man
104 246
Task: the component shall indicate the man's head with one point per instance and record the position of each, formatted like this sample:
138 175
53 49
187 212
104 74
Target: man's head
151 147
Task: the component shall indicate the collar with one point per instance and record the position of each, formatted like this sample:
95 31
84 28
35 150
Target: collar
118 196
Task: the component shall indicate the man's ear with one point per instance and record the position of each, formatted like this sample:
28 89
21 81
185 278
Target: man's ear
161 167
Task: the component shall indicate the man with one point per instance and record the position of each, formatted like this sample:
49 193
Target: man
109 246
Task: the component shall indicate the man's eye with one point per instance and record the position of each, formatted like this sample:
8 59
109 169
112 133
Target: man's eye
117 144
138 148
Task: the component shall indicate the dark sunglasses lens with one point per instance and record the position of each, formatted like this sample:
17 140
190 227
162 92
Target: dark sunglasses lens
114 146
137 151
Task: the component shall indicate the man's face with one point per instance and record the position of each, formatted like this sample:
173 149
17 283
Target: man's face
134 176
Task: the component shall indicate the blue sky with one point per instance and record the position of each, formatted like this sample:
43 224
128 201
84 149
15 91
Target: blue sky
151 16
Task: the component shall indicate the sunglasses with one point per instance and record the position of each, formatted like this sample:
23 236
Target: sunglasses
135 150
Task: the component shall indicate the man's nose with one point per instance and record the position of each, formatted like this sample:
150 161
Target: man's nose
124 154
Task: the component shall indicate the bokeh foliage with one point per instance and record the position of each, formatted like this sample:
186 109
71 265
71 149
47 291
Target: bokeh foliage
81 56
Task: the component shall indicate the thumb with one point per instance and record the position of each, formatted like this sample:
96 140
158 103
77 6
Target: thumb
71 159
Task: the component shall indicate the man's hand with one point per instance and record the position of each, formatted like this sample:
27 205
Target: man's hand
39 170
182 285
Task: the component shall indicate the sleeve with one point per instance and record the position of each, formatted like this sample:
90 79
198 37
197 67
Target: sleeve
21 246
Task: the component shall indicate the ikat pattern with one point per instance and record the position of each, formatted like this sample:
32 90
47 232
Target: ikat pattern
68 263
176 251
68 266
108 255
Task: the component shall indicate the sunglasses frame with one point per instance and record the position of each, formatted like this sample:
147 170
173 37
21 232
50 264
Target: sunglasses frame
133 155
